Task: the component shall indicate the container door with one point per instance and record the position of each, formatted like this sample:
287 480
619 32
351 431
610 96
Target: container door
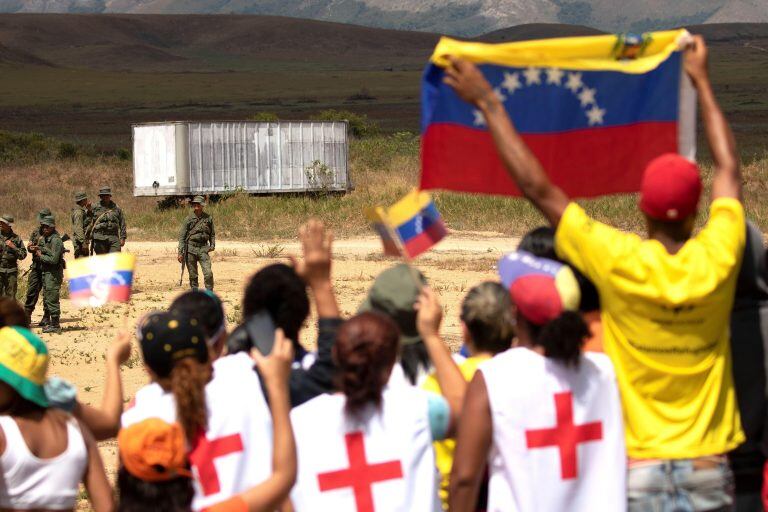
154 160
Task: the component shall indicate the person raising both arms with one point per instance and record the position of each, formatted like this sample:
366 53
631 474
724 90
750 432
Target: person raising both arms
666 301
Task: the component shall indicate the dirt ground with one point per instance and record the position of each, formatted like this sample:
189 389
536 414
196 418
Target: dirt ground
77 354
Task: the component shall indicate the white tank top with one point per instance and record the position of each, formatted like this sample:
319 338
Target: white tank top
384 462
558 439
29 482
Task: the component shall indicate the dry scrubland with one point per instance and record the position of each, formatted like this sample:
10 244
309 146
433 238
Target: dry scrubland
383 168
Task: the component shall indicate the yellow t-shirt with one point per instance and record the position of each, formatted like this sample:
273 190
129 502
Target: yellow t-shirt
665 327
444 449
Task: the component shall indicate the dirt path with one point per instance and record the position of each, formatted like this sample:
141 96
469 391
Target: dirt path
456 264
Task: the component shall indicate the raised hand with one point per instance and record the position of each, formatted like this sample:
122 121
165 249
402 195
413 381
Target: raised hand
316 243
466 79
119 350
430 313
275 368
696 60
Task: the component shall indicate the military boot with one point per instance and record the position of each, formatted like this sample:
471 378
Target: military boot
53 326
45 321
29 316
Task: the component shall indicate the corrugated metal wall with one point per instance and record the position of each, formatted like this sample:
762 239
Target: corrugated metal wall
267 157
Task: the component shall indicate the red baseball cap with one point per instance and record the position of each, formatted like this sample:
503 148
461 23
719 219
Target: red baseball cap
670 189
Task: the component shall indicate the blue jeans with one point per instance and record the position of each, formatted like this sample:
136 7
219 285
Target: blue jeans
676 486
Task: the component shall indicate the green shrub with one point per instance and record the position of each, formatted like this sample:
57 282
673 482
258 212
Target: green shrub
26 147
359 124
264 117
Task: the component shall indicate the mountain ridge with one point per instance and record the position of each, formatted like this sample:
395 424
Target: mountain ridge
468 18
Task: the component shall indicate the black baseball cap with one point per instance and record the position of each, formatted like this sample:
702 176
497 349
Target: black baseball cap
167 338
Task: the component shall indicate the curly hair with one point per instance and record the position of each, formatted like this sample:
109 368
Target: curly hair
136 495
279 290
188 380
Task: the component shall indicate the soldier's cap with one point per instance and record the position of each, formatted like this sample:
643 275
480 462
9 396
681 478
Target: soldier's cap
393 294
105 191
48 221
45 212
166 338
79 196
198 200
7 219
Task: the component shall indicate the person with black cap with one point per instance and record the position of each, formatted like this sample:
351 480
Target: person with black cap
12 251
666 301
50 250
35 272
82 224
196 239
203 392
109 231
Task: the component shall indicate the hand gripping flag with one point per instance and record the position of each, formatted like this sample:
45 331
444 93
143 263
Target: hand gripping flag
594 110
409 227
100 279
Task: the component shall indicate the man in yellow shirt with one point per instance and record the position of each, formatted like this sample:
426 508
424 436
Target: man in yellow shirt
487 326
666 301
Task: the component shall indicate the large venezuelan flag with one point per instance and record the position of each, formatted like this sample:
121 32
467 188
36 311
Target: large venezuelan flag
594 110
100 279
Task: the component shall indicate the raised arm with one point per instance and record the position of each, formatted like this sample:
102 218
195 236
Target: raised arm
726 181
475 434
95 479
452 384
522 165
274 370
104 422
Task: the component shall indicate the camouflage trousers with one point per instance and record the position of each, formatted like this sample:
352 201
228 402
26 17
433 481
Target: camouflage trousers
199 255
9 284
106 246
34 287
52 291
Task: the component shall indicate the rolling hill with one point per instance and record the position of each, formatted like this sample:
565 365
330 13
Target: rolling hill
458 17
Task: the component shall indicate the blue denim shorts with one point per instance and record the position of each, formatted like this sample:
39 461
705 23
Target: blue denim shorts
676 486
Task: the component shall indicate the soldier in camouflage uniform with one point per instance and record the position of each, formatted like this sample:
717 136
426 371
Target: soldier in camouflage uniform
196 240
50 250
11 252
82 224
109 231
35 272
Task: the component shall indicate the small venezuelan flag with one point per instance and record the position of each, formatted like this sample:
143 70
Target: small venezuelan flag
100 279
410 226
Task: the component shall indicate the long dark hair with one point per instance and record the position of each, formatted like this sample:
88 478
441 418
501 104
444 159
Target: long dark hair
365 352
562 338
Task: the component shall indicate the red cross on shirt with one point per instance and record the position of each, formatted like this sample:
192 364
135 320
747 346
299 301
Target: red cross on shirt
205 453
360 475
566 436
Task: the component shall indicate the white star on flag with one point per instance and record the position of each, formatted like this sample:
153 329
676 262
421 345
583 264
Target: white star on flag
554 76
511 82
587 96
479 118
574 82
532 76
500 94
595 115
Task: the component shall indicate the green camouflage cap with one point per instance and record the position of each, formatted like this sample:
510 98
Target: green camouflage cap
79 196
393 294
8 219
48 221
45 212
105 191
198 200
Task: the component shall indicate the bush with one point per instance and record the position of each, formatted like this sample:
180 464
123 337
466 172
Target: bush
359 124
26 147
67 151
264 117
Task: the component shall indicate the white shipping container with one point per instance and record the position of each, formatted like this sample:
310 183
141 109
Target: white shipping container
187 158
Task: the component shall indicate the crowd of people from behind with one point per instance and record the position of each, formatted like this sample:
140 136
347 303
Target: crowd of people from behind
601 371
